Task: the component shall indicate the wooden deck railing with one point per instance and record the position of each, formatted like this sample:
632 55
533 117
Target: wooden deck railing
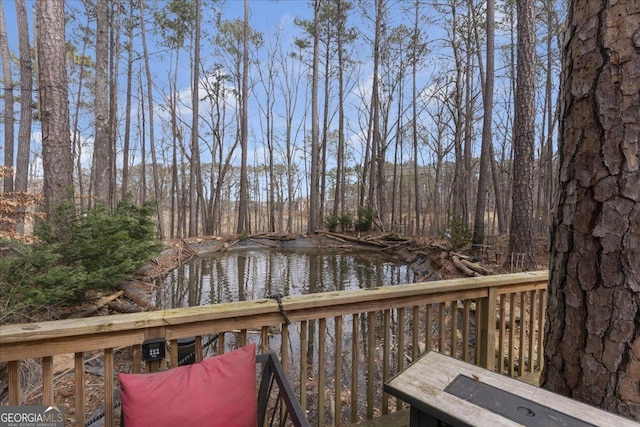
339 348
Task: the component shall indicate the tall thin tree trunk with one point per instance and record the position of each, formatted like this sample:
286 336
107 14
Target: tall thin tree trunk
7 79
114 74
127 112
26 100
195 178
243 203
487 137
315 125
152 142
101 151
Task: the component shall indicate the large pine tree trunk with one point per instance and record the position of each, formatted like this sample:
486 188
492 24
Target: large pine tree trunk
521 231
592 348
54 104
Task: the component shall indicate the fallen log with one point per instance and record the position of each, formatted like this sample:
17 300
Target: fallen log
362 241
463 268
477 267
97 306
121 307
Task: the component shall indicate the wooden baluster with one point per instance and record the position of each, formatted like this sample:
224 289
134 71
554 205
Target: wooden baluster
400 348
47 381
428 326
542 307
264 339
108 387
304 346
221 343
454 329
243 338
136 354
371 341
284 356
354 368
415 334
512 333
173 353
441 322
501 334
478 331
532 327
523 323
337 420
199 350
386 358
322 325
15 388
465 330
284 346
79 384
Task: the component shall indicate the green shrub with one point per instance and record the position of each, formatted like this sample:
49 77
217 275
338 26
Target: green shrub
457 232
345 220
366 216
93 251
331 221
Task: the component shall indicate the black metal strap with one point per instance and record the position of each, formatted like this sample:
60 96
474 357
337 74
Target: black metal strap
278 298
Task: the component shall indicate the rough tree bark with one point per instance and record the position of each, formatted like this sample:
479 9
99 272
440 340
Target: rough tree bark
521 230
53 102
592 347
101 168
26 99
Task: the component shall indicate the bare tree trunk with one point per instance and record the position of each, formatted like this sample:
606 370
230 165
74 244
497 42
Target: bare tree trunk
243 203
127 111
195 178
487 137
414 113
521 234
26 100
114 73
54 104
152 142
315 125
7 79
592 331
101 139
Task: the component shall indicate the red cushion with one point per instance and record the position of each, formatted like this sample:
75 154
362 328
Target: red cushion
219 391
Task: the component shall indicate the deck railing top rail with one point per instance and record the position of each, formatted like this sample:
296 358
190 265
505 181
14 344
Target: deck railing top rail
21 341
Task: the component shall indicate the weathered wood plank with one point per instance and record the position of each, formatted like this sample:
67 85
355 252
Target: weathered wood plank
434 372
47 380
79 385
355 333
337 384
205 313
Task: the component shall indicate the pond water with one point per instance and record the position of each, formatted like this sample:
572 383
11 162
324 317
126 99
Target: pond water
253 273
256 272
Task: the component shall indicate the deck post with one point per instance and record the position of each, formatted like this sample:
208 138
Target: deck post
487 337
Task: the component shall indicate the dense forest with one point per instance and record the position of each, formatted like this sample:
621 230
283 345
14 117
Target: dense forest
251 116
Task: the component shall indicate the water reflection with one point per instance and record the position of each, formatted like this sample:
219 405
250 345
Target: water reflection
256 273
